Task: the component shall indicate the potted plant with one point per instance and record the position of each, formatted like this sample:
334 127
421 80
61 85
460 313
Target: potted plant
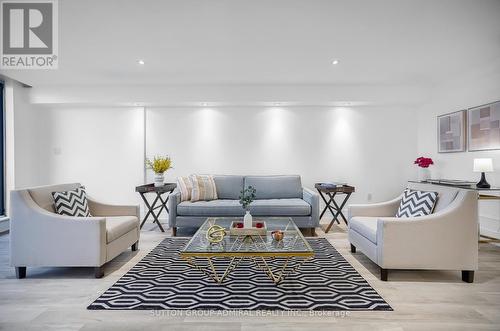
247 196
423 164
159 165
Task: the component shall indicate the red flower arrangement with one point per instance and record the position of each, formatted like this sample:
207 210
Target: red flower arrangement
423 162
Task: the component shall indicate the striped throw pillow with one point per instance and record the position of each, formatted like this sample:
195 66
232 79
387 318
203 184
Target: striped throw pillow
203 188
185 187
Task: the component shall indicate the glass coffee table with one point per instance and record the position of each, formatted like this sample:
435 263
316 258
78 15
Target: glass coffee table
276 258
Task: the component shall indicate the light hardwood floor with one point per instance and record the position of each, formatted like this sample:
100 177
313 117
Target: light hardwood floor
56 298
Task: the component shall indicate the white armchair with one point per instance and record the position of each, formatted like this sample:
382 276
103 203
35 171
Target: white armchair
40 237
444 240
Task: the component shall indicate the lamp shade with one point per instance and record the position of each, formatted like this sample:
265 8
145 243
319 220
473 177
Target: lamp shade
483 165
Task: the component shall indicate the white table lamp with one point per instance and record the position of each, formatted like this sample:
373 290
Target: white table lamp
482 166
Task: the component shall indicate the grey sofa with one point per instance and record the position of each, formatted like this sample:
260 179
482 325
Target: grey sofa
276 196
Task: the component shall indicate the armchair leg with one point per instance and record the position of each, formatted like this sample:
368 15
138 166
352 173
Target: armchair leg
174 231
353 248
383 274
135 246
99 271
20 272
468 276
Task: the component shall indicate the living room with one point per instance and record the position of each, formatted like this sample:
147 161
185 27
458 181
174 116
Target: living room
250 164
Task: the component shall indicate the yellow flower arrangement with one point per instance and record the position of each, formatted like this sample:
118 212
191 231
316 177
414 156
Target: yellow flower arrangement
159 164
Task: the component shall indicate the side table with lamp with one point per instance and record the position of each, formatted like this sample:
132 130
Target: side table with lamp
483 188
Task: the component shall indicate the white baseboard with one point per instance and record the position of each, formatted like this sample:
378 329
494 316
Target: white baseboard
489 227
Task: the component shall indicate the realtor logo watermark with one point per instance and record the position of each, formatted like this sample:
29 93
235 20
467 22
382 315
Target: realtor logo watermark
29 34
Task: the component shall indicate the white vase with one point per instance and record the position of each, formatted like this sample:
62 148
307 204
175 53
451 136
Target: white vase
424 174
247 220
159 179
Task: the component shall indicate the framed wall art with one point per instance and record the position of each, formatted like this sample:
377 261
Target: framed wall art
484 127
451 132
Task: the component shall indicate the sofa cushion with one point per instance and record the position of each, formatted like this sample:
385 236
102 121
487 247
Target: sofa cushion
72 203
203 188
117 226
280 207
365 226
276 187
185 187
416 203
272 207
210 208
228 186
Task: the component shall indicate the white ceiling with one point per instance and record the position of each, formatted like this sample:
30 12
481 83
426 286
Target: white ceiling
270 42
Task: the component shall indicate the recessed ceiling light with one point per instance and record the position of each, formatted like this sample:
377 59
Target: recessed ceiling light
335 62
204 104
276 103
141 62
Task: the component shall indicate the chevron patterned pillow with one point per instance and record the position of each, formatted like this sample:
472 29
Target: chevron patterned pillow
72 203
416 203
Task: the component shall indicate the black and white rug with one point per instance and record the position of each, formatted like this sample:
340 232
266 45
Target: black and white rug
162 280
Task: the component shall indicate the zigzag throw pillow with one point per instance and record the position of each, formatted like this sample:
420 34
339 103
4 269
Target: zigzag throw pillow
72 203
416 203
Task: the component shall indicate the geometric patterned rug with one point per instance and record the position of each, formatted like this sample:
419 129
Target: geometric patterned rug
162 280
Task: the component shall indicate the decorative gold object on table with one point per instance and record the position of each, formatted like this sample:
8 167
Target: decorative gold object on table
277 235
215 234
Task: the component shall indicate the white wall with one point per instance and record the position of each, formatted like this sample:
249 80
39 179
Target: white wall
27 127
461 92
20 133
370 148
101 147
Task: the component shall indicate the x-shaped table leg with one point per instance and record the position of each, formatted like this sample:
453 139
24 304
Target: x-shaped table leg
151 208
327 204
338 210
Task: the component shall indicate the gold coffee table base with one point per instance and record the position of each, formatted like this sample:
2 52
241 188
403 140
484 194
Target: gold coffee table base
279 276
261 262
277 259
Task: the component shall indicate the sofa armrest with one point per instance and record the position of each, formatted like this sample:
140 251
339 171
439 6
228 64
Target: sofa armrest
173 201
42 238
312 198
387 208
102 209
444 240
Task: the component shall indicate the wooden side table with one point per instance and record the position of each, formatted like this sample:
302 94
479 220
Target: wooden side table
332 205
158 202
